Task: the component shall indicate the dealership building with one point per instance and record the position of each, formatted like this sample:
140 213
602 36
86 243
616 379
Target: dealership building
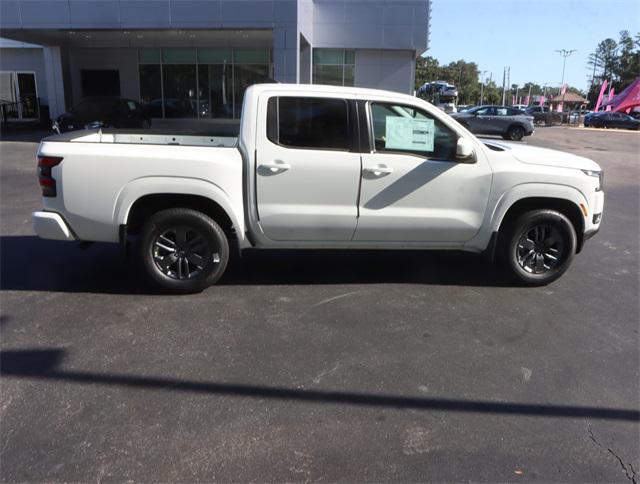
195 58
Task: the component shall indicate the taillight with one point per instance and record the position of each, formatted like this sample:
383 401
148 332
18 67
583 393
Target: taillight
47 182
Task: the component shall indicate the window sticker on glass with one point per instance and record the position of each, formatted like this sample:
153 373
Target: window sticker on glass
409 134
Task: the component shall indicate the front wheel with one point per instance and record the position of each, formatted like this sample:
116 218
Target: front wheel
539 247
182 250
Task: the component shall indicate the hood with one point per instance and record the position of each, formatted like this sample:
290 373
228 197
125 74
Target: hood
545 157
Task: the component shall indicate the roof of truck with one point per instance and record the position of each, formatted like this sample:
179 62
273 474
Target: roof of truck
322 88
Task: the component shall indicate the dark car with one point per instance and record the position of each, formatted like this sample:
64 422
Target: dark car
507 122
103 112
544 115
590 117
612 120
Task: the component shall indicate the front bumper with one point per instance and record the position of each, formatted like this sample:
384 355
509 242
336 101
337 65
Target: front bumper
50 225
594 220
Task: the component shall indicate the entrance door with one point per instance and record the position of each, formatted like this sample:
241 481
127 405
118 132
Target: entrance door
413 189
308 169
19 95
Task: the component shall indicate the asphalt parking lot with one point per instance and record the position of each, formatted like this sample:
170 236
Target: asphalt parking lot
322 366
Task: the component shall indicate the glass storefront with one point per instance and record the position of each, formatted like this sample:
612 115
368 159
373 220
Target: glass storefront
335 67
199 83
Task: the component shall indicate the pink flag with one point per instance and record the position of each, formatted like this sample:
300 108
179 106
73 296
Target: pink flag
608 108
599 101
513 100
627 99
541 100
526 100
563 89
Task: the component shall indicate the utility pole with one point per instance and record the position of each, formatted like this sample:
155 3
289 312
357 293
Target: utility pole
593 76
504 79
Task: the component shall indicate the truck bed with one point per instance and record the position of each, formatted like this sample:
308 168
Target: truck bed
103 172
144 138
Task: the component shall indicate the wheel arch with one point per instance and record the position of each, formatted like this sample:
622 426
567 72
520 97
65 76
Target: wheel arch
569 208
516 124
143 197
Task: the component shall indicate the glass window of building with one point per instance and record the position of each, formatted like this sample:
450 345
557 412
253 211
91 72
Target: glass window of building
199 83
335 67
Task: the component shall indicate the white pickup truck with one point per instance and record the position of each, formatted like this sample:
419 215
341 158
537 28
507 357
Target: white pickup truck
319 167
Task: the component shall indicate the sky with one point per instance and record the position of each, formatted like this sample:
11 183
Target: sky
525 34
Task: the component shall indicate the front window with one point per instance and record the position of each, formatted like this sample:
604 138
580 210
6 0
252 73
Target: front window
335 67
405 129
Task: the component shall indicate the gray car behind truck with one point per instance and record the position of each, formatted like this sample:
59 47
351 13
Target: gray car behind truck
510 123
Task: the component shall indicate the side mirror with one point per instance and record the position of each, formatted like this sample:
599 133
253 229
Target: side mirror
464 150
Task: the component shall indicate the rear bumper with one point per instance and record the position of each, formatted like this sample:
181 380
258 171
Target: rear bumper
50 225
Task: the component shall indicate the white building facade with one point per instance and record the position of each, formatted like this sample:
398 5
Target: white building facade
195 58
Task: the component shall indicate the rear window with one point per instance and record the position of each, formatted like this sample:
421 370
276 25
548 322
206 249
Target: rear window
303 122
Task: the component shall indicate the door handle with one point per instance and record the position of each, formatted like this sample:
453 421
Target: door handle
379 170
276 166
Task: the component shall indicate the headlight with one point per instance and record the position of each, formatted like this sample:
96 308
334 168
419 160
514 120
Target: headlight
599 174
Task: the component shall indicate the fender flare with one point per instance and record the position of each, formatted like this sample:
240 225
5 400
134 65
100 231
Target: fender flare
534 190
158 185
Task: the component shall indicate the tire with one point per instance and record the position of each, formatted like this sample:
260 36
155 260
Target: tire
515 133
182 250
531 244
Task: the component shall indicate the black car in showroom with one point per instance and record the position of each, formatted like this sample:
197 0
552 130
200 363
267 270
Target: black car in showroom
104 112
609 119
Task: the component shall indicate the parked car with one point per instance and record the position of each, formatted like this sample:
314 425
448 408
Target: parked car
507 122
589 117
543 115
332 167
103 112
613 120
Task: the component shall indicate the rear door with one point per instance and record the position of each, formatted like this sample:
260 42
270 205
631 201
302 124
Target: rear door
307 167
502 119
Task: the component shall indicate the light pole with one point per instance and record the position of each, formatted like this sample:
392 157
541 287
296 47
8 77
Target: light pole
565 53
482 86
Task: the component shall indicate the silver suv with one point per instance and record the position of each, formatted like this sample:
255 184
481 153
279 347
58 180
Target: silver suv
507 122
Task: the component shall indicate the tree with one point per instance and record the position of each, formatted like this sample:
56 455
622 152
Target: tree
616 62
629 60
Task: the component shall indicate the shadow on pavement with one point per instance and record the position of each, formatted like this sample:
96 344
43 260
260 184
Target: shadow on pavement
42 364
28 263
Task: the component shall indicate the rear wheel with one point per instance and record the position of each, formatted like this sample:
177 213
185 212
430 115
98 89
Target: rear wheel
515 133
182 250
539 247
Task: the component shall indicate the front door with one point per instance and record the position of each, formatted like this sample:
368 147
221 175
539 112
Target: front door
413 190
307 169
